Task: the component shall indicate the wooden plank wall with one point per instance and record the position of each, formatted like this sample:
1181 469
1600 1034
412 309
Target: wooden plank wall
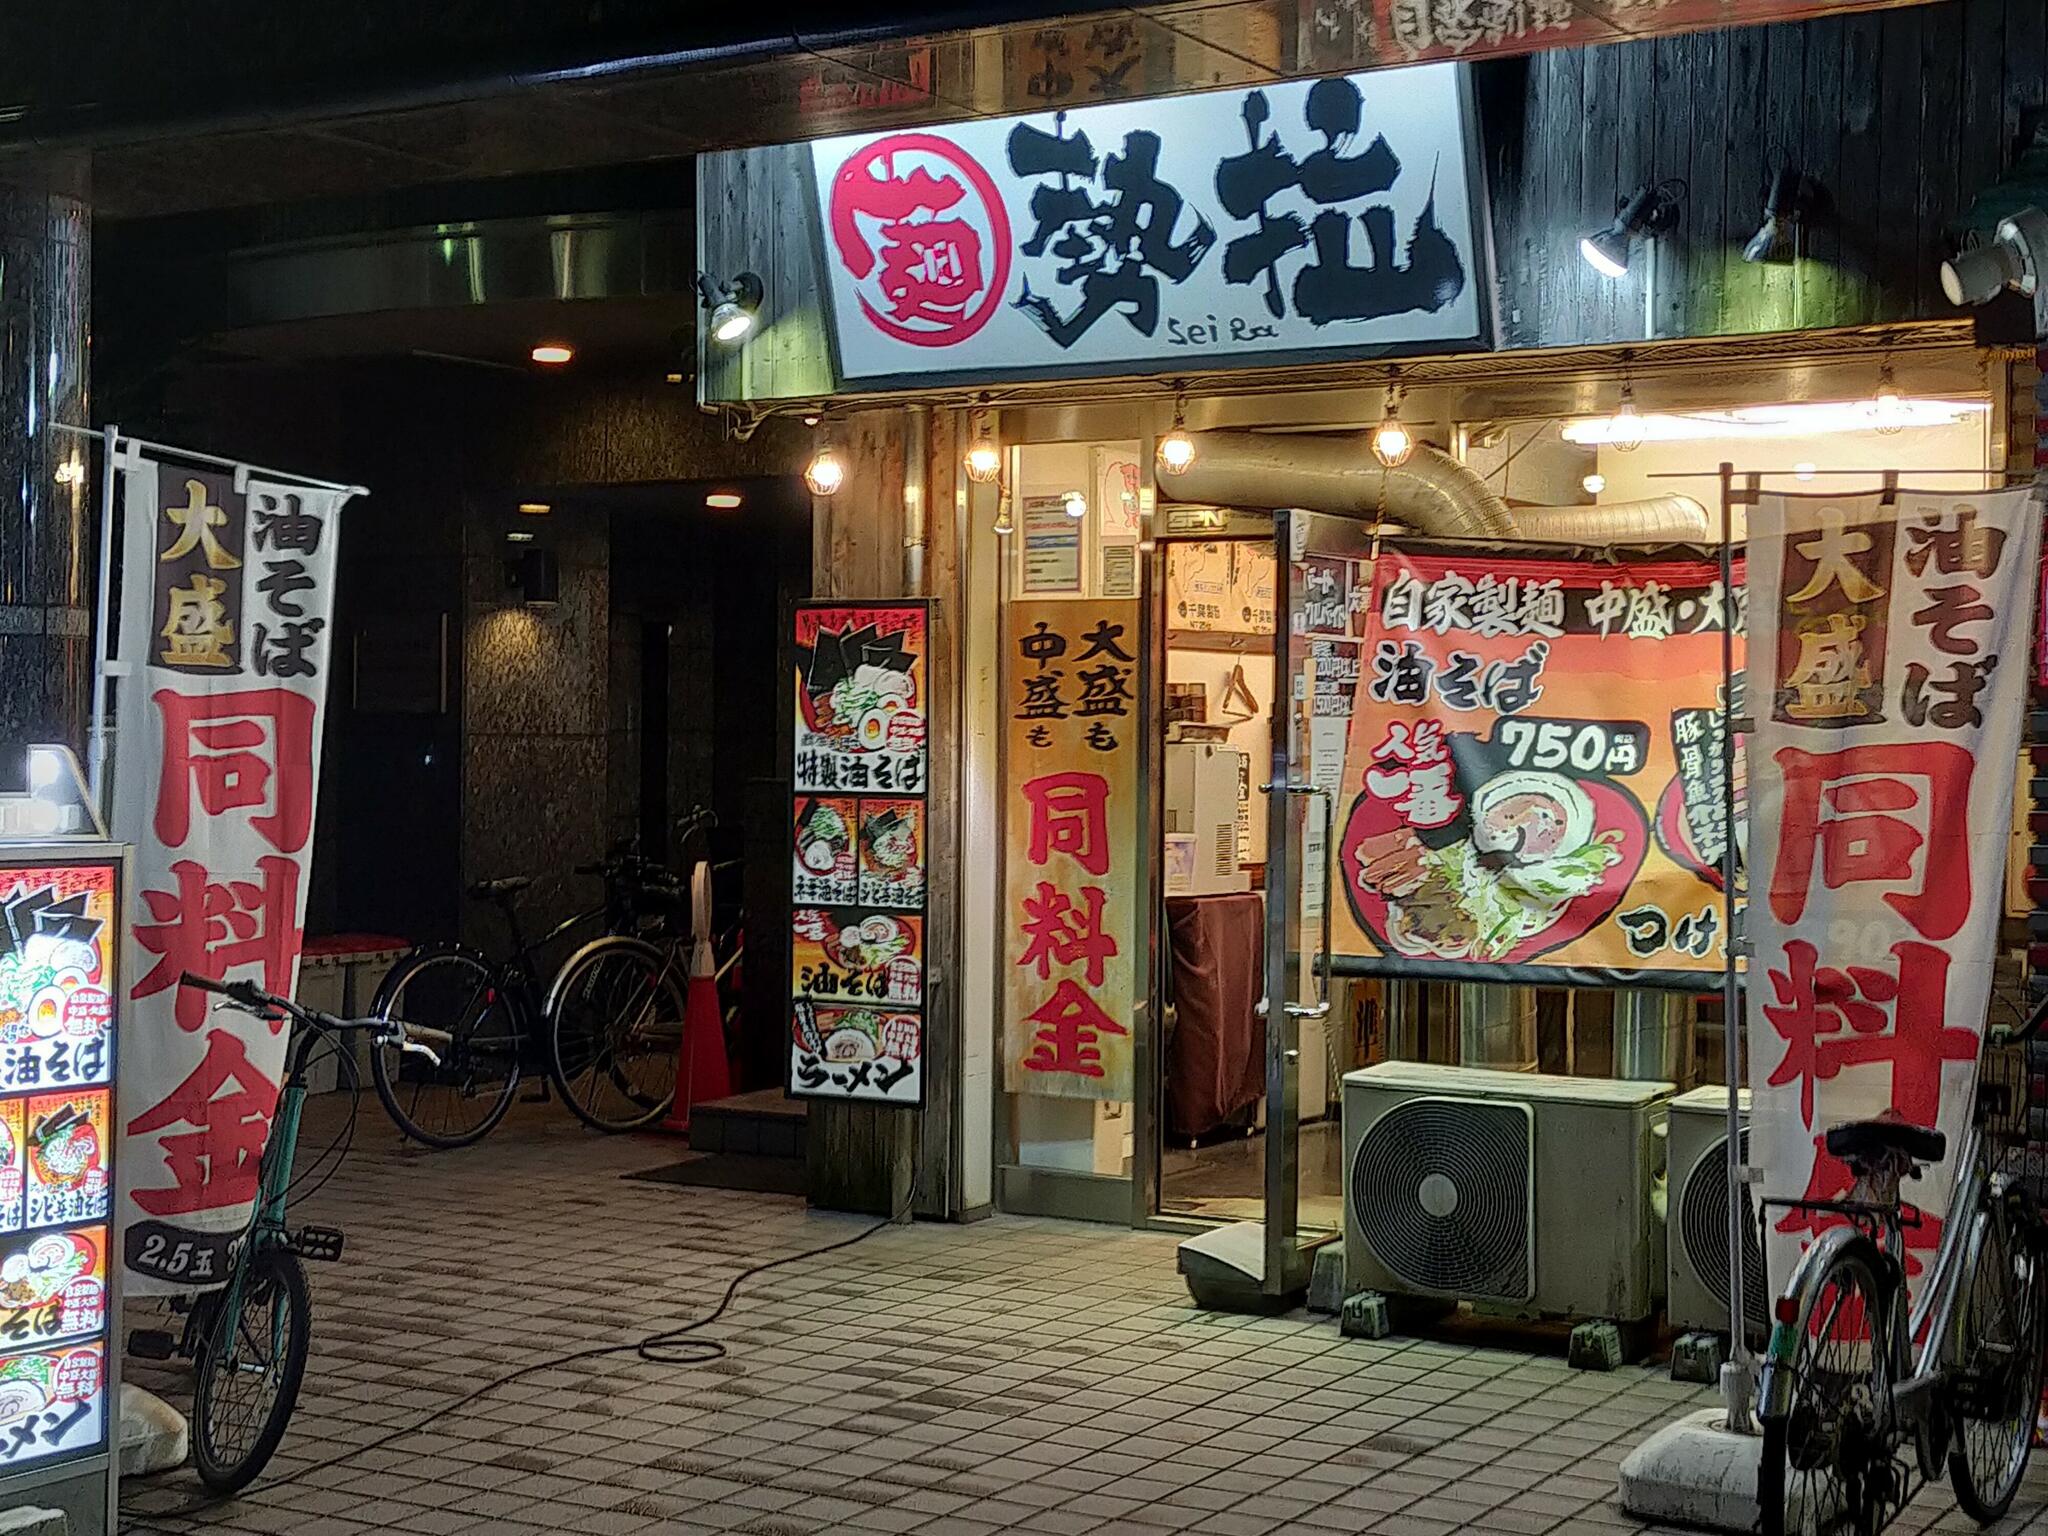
1903 116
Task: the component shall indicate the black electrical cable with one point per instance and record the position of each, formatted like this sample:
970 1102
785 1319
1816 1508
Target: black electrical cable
672 1346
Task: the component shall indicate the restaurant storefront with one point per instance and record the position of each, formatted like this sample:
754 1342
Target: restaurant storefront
1239 442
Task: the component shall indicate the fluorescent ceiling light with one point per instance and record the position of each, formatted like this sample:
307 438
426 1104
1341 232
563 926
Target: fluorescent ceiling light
1804 419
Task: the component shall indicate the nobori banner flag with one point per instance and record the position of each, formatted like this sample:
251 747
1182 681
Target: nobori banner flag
1889 675
1534 788
226 632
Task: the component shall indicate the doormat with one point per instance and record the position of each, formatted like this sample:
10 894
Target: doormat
733 1170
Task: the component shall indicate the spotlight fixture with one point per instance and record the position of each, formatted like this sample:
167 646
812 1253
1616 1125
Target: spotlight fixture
734 305
1392 442
1176 450
552 354
826 471
1005 523
1651 210
724 501
2013 259
984 458
1887 406
1594 484
1789 202
1074 504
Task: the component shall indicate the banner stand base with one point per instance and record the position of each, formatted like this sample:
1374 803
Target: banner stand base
1695 1472
153 1433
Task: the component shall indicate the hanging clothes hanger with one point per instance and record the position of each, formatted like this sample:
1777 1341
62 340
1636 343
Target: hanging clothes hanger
1238 703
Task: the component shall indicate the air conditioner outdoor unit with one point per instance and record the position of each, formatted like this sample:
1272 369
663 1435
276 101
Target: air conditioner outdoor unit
1696 1216
1524 1193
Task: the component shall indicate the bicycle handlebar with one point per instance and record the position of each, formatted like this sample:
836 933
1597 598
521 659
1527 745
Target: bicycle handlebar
253 999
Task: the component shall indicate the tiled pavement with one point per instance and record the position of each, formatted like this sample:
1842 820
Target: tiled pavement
1014 1375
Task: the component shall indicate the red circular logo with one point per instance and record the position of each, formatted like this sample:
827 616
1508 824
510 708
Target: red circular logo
919 226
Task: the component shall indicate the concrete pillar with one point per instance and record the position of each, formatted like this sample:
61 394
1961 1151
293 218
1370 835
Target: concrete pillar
46 522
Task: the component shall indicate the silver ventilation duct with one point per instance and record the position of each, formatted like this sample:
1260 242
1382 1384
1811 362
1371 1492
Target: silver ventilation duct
1432 492
1668 519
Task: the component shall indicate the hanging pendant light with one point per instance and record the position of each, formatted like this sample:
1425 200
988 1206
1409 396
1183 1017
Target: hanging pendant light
826 472
1625 428
984 461
1392 442
1888 405
1176 450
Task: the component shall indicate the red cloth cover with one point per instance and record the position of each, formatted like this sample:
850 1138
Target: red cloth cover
1216 1056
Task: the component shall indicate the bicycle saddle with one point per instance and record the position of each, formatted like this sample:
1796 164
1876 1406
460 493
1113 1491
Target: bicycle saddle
500 890
1863 1139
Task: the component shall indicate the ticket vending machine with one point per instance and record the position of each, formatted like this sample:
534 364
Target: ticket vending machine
62 887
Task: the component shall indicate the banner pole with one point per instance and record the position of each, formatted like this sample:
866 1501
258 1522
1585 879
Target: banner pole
96 754
1735 1375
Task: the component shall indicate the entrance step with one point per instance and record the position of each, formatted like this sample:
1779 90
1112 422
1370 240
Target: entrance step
764 1123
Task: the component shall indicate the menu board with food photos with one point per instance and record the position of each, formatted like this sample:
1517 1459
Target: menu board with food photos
58 958
858 852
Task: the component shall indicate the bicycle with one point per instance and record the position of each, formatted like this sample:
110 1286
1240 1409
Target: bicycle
617 1008
1845 1385
248 1339
492 1012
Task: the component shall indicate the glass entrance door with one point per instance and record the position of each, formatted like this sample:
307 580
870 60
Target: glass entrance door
1320 561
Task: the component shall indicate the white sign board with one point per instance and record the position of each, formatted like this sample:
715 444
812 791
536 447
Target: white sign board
1261 226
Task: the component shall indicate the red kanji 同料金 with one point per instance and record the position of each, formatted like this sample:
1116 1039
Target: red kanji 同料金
237 751
228 1104
1872 814
209 926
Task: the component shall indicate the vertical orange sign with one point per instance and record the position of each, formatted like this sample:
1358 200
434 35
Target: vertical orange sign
1072 865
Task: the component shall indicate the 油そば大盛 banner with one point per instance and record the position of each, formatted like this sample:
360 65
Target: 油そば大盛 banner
1890 645
226 607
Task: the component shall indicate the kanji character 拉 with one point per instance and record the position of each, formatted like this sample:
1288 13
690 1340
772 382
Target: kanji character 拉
1114 250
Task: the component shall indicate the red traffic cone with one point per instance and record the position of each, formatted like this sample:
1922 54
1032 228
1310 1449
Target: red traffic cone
701 1069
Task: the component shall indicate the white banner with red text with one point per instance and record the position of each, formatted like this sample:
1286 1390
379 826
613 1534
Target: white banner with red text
227 601
1888 675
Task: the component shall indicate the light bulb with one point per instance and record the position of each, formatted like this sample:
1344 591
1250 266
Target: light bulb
1804 471
1075 505
730 322
1625 429
1176 452
825 474
984 461
552 354
1391 443
1891 410
1594 484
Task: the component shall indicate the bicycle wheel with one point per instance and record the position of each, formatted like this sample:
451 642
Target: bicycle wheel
1828 1457
457 1102
1996 1377
615 1029
250 1367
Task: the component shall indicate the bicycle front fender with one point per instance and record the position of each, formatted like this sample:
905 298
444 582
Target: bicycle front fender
380 1005
618 942
1774 1389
